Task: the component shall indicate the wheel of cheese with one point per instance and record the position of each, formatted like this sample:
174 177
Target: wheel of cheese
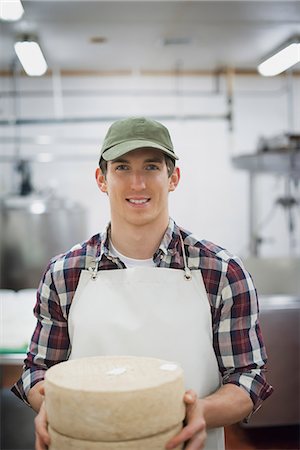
157 442
114 398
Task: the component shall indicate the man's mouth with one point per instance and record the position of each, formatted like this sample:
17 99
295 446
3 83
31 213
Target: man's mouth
140 201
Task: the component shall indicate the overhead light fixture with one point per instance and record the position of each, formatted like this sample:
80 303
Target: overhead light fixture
31 56
285 57
11 10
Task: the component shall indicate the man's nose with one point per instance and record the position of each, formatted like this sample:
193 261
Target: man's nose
137 181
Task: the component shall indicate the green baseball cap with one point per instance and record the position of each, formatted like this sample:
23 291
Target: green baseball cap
133 133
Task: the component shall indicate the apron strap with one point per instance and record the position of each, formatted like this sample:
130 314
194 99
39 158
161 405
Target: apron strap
94 271
188 273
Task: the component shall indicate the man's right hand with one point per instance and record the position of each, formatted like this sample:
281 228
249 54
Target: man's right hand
36 399
42 438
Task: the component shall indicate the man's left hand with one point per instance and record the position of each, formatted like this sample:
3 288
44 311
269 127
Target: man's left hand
195 429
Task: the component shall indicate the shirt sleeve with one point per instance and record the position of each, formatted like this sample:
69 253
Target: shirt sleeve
50 342
238 341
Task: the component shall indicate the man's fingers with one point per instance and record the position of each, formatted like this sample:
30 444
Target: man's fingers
41 431
42 440
197 441
39 444
190 397
195 427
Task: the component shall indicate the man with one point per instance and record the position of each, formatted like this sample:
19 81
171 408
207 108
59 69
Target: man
199 308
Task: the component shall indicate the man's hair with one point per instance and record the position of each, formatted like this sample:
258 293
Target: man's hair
170 163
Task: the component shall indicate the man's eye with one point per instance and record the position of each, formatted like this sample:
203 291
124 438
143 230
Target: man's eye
152 167
122 167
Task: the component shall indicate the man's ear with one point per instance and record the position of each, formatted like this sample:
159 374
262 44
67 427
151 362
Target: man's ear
174 179
101 180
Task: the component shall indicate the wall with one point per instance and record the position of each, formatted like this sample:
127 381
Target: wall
212 199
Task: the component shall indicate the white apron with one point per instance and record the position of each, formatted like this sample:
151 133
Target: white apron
148 311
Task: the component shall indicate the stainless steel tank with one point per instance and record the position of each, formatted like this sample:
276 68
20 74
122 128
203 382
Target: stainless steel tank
34 228
278 285
280 325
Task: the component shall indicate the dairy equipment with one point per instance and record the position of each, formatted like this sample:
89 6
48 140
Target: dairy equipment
279 155
280 325
34 228
278 286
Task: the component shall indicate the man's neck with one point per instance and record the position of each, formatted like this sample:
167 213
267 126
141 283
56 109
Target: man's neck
138 242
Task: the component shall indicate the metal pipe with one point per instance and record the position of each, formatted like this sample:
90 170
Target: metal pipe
16 111
253 244
290 101
114 93
15 179
229 80
57 94
64 120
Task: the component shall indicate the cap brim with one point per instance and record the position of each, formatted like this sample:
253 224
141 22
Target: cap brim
124 147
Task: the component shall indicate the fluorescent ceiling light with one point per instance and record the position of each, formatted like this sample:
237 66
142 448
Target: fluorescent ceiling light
11 9
31 57
281 61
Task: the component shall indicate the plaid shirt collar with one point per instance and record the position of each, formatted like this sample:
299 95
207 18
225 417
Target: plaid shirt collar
168 245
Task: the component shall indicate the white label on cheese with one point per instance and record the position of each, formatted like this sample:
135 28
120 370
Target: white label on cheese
117 371
168 366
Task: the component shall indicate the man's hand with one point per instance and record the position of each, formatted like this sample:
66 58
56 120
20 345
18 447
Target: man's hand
195 428
42 438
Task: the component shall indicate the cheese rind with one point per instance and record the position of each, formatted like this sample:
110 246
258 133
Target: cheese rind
114 398
157 442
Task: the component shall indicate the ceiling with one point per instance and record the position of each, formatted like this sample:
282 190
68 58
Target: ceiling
205 35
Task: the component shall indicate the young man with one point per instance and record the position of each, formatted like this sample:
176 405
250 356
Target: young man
199 308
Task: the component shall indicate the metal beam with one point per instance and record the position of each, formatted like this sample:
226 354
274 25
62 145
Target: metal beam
96 119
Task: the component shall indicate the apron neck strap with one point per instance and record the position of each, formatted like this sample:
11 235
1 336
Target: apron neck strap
94 270
188 273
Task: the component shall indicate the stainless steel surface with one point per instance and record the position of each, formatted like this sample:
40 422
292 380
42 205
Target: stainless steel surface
284 142
278 163
280 324
283 163
12 359
34 228
278 285
275 276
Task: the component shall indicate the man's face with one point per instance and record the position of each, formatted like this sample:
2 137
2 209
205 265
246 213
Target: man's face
137 185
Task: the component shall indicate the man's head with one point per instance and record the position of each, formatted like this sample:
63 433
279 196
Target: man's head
137 171
135 133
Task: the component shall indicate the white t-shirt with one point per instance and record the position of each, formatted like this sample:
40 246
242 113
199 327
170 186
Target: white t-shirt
131 262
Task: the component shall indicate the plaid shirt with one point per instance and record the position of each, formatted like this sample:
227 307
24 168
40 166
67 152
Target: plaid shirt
237 338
